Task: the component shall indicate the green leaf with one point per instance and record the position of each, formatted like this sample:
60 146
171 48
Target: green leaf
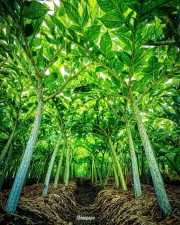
115 82
125 58
75 28
139 41
59 25
75 3
49 80
84 18
49 24
140 85
41 61
72 12
3 54
68 69
110 55
36 26
112 20
124 37
105 43
95 50
50 40
152 5
107 6
147 70
172 53
153 62
92 3
68 48
28 29
111 63
172 3
34 10
134 5
100 69
139 55
118 66
92 32
36 42
34 53
47 52
81 51
73 34
163 11
45 30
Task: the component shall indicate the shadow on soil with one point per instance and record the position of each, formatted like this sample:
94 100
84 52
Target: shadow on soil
86 194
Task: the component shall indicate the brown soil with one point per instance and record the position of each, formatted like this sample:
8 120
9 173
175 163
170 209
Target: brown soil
58 207
117 207
110 207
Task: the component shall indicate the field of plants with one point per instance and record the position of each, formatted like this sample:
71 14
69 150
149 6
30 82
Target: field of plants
90 112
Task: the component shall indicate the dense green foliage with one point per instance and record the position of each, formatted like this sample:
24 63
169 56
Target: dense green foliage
79 72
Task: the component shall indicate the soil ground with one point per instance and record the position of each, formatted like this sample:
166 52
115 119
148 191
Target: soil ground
83 203
86 194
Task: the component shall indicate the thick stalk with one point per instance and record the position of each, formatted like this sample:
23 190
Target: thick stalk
71 171
116 179
58 169
5 149
143 166
67 165
154 169
64 173
38 174
94 168
48 175
115 176
75 170
13 199
100 175
137 186
107 175
102 164
31 171
115 157
44 169
92 171
5 169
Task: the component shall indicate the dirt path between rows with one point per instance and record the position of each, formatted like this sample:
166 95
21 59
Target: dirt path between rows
85 198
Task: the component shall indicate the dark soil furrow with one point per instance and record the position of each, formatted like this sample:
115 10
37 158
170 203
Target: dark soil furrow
85 198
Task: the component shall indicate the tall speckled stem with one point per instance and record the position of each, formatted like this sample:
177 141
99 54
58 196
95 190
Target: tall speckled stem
48 175
137 186
154 169
115 157
13 199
